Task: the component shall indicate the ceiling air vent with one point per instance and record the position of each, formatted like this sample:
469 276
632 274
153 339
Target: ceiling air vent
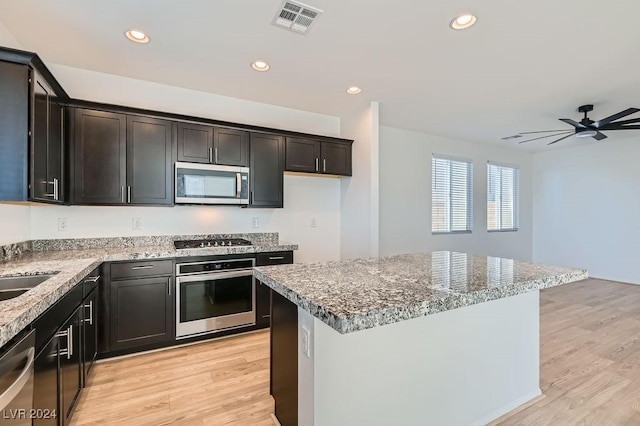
297 17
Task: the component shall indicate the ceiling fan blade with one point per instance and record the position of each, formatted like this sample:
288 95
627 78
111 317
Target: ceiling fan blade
542 131
548 136
599 136
573 123
558 140
615 117
612 127
620 123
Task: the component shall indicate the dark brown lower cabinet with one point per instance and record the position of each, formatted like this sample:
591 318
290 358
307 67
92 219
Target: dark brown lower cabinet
70 362
284 359
263 293
45 387
141 312
89 334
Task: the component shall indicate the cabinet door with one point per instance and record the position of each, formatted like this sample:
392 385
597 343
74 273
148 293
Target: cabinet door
56 148
231 147
45 384
336 158
70 365
195 143
39 143
141 312
267 167
303 155
100 157
89 334
150 145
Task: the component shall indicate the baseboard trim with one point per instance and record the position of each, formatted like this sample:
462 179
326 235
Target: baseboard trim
275 420
510 409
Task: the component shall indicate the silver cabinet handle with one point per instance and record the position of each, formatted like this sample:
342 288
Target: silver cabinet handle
142 267
324 164
56 191
122 194
276 257
211 155
317 167
68 333
128 194
238 185
90 306
92 279
18 385
169 287
215 160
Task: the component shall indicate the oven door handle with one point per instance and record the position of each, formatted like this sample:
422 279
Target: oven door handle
215 276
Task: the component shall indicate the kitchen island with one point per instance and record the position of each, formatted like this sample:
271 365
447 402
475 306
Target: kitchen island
440 338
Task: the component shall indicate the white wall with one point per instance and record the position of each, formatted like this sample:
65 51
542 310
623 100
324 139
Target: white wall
586 208
359 211
405 196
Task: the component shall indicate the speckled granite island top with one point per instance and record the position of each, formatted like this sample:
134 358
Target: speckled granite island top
72 260
358 294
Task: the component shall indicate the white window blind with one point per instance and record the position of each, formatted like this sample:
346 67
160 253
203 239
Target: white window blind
451 195
502 197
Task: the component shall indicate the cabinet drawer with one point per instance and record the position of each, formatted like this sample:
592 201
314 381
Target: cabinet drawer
48 323
90 282
141 269
274 258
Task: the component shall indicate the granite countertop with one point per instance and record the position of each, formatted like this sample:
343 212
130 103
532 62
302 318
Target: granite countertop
71 264
358 294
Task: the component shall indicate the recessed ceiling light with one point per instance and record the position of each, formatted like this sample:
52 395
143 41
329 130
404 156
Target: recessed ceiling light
137 36
354 90
463 21
260 66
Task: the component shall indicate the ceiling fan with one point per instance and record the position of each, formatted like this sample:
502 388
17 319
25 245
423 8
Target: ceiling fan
587 127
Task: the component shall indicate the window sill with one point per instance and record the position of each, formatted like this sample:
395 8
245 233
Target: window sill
449 232
503 230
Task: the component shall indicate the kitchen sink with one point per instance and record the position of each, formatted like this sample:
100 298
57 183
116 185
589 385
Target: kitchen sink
11 287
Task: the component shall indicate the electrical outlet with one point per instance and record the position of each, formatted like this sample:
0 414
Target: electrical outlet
314 223
136 223
63 224
255 222
306 341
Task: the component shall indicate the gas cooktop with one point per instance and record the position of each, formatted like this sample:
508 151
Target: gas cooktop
215 242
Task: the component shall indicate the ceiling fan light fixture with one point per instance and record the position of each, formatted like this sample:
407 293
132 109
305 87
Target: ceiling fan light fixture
586 133
463 21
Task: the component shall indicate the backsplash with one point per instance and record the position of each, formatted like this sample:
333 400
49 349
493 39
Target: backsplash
11 251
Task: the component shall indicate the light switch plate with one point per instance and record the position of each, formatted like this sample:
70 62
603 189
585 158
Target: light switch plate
63 224
255 222
136 223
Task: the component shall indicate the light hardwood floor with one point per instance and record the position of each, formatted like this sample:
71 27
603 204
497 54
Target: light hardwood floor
590 372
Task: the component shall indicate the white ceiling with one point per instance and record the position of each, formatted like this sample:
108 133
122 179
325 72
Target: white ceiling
522 66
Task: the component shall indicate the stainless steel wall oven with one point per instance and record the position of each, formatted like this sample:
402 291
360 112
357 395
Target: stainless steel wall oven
214 295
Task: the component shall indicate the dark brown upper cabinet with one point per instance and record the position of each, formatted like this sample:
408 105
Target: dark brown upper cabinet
122 159
312 156
150 145
266 171
213 145
31 130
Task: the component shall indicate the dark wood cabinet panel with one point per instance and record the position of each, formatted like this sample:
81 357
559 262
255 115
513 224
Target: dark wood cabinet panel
150 147
140 312
89 334
284 359
263 293
100 157
336 158
267 167
302 155
47 144
230 147
14 131
45 383
70 365
195 143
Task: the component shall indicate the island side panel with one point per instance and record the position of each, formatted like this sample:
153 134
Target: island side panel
466 366
284 359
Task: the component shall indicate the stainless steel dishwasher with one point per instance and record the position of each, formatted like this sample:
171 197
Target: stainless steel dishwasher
16 382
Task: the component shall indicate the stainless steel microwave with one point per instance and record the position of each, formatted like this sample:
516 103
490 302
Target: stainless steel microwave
211 184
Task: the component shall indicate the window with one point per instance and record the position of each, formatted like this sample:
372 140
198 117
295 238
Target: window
502 197
451 195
